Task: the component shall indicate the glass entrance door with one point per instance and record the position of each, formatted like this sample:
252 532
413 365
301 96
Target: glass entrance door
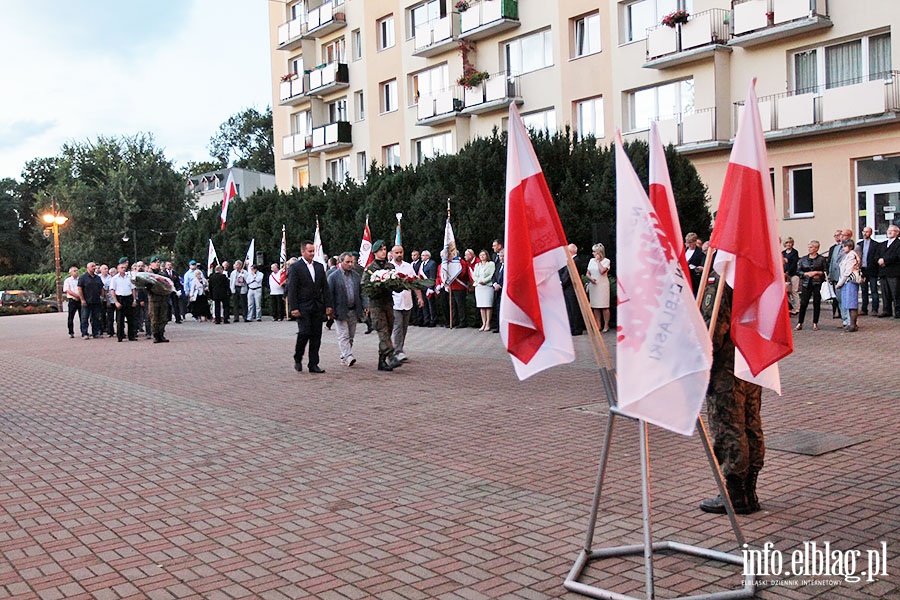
879 207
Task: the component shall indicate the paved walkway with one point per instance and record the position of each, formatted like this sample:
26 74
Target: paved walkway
208 468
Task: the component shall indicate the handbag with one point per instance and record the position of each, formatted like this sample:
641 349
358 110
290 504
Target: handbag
855 277
827 292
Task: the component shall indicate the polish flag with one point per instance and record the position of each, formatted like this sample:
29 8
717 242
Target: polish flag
319 255
282 258
365 248
663 199
211 258
663 351
230 192
746 240
533 322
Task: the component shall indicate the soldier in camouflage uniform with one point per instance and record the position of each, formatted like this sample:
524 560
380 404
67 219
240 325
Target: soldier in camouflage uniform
733 407
381 310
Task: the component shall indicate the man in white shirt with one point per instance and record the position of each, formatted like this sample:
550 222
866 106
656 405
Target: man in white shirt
238 280
121 287
403 303
254 294
277 279
73 299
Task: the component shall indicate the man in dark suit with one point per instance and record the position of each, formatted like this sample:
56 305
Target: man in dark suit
428 270
576 323
869 250
415 317
498 289
889 271
695 259
306 299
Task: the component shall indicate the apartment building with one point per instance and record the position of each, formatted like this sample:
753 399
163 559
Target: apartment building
380 80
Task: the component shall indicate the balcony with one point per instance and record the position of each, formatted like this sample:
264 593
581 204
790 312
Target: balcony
488 17
702 36
328 78
436 36
862 102
294 145
690 131
763 21
293 92
439 108
333 136
326 18
495 93
290 34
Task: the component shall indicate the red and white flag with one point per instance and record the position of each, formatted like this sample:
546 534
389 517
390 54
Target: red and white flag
663 351
746 239
229 194
365 247
282 258
212 258
319 255
663 199
533 322
251 254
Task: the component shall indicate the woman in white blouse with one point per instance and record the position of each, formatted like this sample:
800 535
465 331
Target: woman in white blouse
598 288
484 288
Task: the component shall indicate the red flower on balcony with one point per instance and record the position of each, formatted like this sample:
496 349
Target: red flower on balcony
289 77
675 18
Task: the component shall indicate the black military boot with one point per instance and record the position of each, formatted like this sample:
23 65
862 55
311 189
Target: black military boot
383 364
750 489
736 492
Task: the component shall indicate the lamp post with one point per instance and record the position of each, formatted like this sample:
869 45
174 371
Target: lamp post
54 220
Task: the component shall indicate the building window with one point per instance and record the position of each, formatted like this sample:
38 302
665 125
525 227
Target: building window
301 176
424 13
586 35
337 111
432 146
295 65
542 121
297 10
339 169
301 123
362 165
428 82
356 40
359 99
389 96
386 33
864 59
334 51
642 15
392 156
529 53
661 102
801 191
589 117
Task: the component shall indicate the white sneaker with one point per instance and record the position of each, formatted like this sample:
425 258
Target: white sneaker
350 361
401 356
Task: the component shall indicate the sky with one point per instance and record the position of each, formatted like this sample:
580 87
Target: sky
73 70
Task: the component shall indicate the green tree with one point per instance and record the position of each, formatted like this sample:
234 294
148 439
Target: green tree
19 229
245 140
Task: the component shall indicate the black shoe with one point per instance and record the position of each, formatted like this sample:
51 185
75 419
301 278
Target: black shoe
298 367
72 335
735 487
883 315
431 325
368 331
394 362
383 365
134 339
121 340
316 369
863 313
163 339
157 340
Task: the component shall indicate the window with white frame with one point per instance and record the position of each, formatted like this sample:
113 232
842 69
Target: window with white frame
385 28
295 65
865 59
301 123
641 15
362 165
359 100
586 35
800 189
589 117
541 121
334 51
434 145
423 13
339 169
391 156
529 53
356 40
389 101
301 176
428 82
297 10
661 102
337 110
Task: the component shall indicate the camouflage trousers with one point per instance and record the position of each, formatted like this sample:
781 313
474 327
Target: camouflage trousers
159 314
382 314
733 407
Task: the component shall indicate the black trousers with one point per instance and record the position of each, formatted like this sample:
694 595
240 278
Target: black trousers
277 305
309 332
429 316
222 310
890 292
126 312
458 298
74 309
810 291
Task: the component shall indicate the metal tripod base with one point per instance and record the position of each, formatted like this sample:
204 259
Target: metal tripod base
584 558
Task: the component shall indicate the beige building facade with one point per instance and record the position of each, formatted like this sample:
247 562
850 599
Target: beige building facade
357 81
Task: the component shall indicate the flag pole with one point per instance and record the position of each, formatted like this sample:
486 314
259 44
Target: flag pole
449 292
601 354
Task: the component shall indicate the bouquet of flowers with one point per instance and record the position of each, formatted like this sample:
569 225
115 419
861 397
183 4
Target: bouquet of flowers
675 18
384 281
462 6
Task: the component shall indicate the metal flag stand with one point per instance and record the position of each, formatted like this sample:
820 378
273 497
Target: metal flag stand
648 547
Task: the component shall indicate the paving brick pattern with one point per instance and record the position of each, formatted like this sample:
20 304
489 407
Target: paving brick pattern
209 468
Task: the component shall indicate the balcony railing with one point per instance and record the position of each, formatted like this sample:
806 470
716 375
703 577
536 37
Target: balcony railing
436 36
293 92
760 21
851 102
695 127
439 107
295 144
495 92
324 19
328 77
331 136
488 17
668 46
290 34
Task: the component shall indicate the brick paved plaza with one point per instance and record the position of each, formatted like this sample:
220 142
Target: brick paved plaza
209 468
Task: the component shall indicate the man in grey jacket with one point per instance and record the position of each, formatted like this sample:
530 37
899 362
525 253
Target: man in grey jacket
345 303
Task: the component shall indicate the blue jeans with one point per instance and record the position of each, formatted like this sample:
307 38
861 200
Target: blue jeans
91 311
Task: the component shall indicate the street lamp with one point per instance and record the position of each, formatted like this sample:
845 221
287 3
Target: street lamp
54 220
